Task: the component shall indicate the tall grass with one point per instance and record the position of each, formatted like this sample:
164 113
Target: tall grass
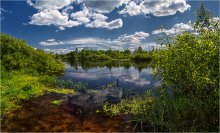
168 113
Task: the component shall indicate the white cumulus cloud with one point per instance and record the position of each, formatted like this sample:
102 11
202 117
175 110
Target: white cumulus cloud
102 6
131 9
99 23
137 37
52 17
176 29
155 7
82 16
49 14
97 16
49 4
89 40
93 13
125 41
95 19
51 42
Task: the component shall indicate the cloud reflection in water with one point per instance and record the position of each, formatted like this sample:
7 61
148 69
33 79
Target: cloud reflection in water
99 76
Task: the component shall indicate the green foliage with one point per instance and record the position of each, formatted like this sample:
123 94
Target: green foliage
81 86
189 69
190 65
139 50
204 21
25 73
60 90
56 102
17 55
64 84
137 106
203 18
167 113
16 87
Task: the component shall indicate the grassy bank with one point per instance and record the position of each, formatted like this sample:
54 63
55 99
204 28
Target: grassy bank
17 87
25 73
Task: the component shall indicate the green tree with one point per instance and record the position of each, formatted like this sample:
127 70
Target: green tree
127 51
139 50
203 18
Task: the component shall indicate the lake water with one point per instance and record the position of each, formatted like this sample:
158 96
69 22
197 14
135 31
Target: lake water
136 77
78 112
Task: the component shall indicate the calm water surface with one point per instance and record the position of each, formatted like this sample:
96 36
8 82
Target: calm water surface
78 112
96 76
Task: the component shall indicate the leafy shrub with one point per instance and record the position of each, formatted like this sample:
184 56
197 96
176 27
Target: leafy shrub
17 55
190 65
189 68
25 73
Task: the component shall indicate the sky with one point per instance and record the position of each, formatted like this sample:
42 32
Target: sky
60 26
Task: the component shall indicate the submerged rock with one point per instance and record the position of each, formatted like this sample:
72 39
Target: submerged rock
95 98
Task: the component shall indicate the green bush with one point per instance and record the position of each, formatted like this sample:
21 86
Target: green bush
25 73
17 55
190 64
189 69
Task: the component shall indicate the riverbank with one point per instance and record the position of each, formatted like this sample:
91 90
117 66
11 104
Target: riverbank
17 87
26 73
40 115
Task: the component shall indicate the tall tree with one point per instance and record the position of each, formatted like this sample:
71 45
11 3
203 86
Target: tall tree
203 18
140 49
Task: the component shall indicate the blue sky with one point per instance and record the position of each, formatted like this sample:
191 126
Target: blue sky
63 25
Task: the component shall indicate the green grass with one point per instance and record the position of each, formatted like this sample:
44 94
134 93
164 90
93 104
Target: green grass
17 87
56 102
167 113
26 73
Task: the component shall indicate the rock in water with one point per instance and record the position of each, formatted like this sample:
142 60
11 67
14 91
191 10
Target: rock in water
95 98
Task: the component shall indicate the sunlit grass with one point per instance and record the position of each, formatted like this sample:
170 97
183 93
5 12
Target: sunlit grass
60 91
56 102
17 87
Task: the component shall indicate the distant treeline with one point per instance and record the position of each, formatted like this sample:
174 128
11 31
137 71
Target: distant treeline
100 55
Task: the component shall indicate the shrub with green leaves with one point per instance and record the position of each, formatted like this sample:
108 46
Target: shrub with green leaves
190 64
189 69
17 55
25 73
